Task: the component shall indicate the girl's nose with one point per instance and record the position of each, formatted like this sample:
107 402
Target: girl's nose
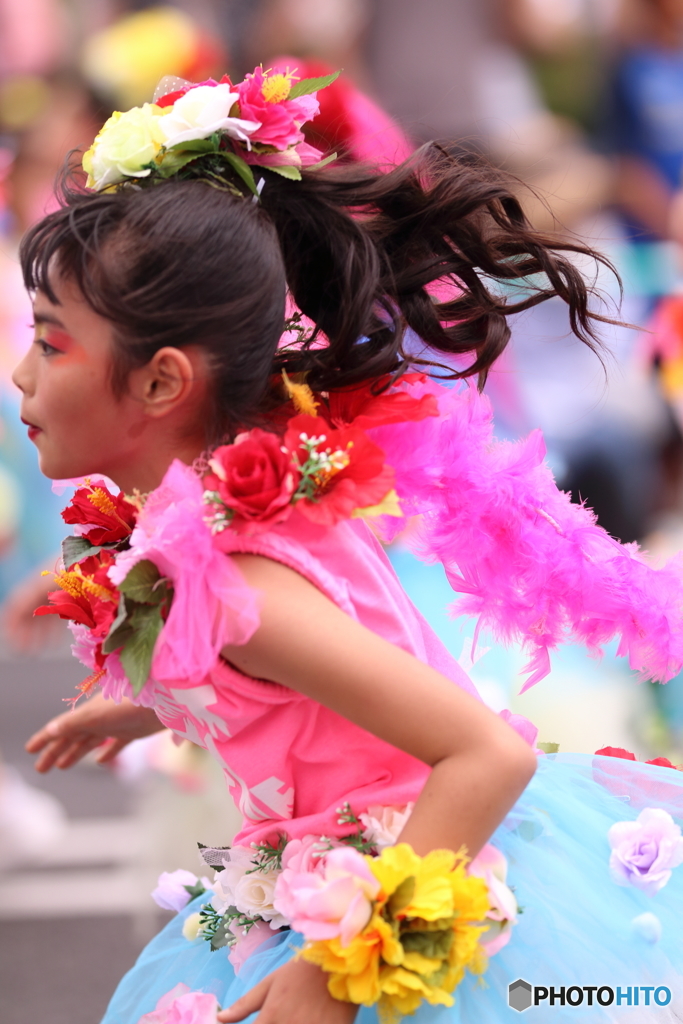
22 376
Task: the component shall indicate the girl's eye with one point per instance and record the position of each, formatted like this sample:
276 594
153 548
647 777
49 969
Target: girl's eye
41 339
47 349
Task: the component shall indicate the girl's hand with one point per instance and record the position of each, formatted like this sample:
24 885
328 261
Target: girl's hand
99 722
294 994
21 630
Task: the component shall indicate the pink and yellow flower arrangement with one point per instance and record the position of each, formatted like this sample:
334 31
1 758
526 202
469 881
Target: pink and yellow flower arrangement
208 128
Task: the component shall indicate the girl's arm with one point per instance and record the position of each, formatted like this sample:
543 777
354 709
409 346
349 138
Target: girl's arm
479 764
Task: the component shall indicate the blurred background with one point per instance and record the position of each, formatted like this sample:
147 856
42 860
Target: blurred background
582 102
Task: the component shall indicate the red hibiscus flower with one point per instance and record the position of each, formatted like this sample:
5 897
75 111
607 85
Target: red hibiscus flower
110 516
254 478
280 118
86 595
361 406
352 473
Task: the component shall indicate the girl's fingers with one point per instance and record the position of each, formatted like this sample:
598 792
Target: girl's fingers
248 1004
110 748
50 753
77 750
45 735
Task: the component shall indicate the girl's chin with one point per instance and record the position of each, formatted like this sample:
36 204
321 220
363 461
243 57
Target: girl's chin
64 469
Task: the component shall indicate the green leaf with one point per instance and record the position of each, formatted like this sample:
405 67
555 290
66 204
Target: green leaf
195 146
288 171
142 583
120 629
431 944
137 652
402 896
75 549
322 163
308 85
223 936
549 748
174 162
241 168
195 890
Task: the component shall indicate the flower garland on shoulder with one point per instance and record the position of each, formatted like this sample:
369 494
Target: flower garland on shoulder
322 464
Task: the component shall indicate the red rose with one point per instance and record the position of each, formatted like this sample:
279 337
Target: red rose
616 752
361 406
87 595
254 478
111 517
359 477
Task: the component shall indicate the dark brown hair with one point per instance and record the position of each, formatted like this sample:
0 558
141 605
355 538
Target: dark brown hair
182 262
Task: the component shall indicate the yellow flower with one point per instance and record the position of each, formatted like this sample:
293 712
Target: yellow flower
192 927
435 881
354 969
125 145
388 506
301 395
422 937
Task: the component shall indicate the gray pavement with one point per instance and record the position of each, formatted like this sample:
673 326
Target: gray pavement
55 969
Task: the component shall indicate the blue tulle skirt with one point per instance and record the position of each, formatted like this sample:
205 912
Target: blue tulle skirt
578 928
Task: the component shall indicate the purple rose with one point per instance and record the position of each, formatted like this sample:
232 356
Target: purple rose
645 850
172 893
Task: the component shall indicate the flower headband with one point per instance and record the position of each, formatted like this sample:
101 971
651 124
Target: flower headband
255 123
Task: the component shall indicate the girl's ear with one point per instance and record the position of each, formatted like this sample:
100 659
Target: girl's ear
166 382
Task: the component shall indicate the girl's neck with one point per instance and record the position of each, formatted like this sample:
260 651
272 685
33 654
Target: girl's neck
147 474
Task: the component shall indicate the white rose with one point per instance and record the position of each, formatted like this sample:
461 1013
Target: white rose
251 891
254 896
125 144
237 861
383 825
203 111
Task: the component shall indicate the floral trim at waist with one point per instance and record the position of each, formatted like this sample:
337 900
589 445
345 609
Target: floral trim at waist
388 927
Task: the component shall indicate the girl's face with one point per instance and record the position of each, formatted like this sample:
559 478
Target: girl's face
73 417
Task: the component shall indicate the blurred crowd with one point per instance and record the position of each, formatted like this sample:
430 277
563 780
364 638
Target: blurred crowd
580 101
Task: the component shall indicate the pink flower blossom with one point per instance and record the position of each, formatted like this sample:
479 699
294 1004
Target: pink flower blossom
334 902
302 155
383 825
644 851
171 891
181 1006
306 854
280 123
523 727
248 941
491 865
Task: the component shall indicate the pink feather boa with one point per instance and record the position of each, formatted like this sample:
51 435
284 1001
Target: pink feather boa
533 566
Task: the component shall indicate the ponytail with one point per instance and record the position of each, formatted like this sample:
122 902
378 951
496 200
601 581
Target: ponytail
361 250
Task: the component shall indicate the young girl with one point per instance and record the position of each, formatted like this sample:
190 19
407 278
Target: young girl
231 590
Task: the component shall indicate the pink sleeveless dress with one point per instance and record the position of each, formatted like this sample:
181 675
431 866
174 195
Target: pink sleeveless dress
289 761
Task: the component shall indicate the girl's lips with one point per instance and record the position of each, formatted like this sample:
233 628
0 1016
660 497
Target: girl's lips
33 431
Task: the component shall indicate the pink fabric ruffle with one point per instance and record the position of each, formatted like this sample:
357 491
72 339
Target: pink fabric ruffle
533 566
212 603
